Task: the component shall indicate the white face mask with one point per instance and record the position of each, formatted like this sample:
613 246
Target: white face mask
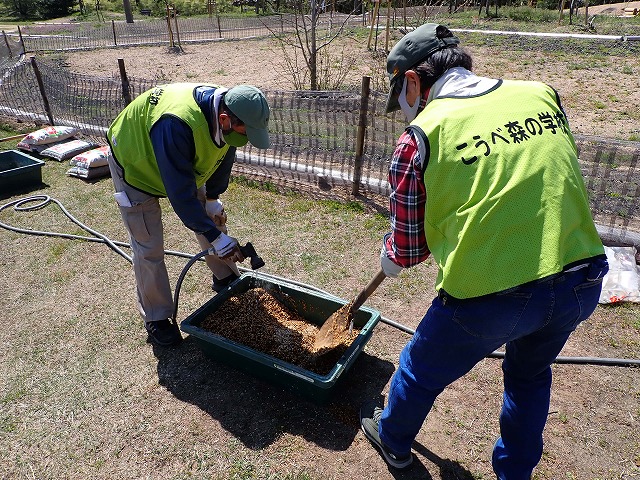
409 111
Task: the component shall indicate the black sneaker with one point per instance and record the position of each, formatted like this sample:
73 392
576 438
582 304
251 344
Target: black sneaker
163 332
369 418
219 285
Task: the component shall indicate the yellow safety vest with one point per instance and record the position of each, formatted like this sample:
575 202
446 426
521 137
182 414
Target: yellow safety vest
506 201
130 143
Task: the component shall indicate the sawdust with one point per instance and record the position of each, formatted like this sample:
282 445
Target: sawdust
258 320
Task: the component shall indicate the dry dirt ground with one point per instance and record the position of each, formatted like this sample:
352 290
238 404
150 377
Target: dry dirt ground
196 418
599 91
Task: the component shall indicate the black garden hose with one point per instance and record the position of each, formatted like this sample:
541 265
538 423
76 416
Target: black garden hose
44 200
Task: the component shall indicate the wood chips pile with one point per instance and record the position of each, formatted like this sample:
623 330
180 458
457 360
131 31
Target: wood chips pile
258 320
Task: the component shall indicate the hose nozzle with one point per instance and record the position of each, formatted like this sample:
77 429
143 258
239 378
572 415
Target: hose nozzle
249 252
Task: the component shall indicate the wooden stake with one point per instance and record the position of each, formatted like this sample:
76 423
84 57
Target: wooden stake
21 40
386 30
362 128
175 21
126 90
45 100
373 21
586 12
170 32
6 40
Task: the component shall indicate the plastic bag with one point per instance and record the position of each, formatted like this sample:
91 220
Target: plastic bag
622 282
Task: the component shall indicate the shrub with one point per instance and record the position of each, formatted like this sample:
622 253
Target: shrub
38 8
528 14
54 8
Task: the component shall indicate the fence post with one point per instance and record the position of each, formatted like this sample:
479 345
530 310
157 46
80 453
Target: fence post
113 29
126 90
24 50
6 40
362 128
45 100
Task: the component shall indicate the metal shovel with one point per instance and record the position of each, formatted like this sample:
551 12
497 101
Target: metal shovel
341 319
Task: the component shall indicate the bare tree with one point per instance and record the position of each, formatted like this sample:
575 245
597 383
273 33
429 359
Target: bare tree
310 37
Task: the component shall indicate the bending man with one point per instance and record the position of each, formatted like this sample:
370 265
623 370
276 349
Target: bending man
179 141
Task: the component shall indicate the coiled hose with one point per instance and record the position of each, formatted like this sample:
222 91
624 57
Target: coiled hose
44 200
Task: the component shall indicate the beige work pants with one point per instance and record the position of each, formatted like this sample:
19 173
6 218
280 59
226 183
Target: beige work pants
142 217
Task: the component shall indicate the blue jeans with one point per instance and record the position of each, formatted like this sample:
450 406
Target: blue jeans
534 320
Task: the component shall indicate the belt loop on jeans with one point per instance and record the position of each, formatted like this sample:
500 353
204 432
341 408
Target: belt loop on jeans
442 295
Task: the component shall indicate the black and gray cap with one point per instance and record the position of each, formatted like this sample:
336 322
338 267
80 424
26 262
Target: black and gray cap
412 49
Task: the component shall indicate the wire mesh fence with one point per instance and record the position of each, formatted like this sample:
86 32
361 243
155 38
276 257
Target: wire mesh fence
315 136
610 169
157 31
313 133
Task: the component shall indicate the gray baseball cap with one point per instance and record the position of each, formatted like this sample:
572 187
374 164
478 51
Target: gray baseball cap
250 106
412 49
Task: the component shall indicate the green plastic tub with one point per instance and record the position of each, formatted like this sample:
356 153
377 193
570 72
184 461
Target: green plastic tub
19 171
313 306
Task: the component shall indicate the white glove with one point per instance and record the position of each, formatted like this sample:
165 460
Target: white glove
215 211
224 245
389 267
214 208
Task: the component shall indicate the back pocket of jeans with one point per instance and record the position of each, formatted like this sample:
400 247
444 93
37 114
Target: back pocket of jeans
588 295
493 317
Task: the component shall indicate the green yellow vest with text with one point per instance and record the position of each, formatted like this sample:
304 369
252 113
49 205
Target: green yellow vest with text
131 144
506 201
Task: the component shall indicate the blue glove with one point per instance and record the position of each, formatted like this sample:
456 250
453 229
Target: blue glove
389 267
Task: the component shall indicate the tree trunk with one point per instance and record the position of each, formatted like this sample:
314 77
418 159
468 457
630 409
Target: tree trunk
313 53
127 11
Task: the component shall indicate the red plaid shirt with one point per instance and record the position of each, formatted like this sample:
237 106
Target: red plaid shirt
407 244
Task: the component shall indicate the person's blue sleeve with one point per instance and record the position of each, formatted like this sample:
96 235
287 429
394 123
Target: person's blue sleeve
174 148
219 181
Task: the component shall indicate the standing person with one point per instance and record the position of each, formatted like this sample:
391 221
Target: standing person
486 180
179 141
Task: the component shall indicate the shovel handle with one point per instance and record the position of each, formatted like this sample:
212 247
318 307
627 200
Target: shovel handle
368 290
